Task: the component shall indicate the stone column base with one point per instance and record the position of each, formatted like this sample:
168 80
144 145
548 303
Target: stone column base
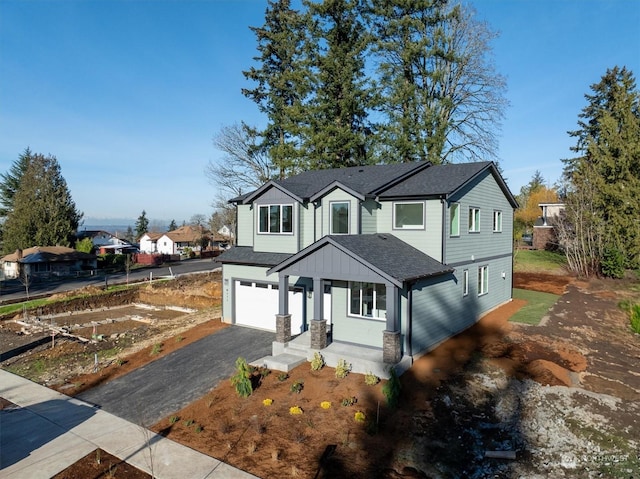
318 329
283 328
391 352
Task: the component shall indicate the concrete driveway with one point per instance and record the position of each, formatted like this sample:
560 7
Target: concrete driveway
166 385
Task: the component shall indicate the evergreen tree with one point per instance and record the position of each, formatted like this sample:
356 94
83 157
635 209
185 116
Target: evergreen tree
608 166
129 236
338 128
172 226
43 212
282 84
142 224
442 97
10 181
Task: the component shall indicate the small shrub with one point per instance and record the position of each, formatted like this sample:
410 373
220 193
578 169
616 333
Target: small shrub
371 379
241 380
635 318
612 263
349 401
267 401
325 404
188 422
317 363
198 429
342 369
174 419
157 349
391 389
283 377
359 416
264 372
297 386
179 339
295 410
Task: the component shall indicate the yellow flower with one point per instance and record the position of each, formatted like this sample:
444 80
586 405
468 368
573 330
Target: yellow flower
295 410
359 416
325 404
267 402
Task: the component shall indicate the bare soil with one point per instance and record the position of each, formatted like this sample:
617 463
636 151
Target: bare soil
99 464
563 398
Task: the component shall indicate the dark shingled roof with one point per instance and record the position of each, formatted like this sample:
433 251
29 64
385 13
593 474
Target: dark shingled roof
382 251
246 255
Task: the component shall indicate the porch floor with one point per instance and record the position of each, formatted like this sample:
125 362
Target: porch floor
363 360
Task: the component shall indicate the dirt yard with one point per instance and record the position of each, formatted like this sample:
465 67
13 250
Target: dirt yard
500 400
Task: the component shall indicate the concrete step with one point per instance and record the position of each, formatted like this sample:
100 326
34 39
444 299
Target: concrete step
280 362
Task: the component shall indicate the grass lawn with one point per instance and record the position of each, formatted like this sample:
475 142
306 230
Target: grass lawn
537 306
539 261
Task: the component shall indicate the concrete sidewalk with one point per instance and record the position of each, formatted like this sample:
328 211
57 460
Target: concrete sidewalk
49 431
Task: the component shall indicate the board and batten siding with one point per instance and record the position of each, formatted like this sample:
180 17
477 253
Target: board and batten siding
427 240
368 216
483 193
351 329
245 225
277 242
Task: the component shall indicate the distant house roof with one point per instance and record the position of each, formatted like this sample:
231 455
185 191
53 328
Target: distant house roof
153 236
384 181
384 253
47 254
187 234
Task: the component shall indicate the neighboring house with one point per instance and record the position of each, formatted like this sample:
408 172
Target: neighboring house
42 262
149 242
394 258
105 242
176 241
220 242
544 229
227 232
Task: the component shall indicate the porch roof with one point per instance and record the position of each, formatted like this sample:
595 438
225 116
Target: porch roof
385 254
246 255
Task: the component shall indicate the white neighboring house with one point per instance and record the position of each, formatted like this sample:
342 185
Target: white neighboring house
41 262
149 242
226 231
105 242
176 241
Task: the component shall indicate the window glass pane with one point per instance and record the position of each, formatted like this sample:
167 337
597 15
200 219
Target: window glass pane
287 216
465 282
454 219
339 218
409 215
274 219
381 301
367 299
264 219
354 307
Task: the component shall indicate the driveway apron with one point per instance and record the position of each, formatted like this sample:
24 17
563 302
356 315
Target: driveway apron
160 388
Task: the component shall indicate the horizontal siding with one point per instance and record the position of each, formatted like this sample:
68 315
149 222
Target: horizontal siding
484 193
368 216
307 219
245 226
428 240
353 330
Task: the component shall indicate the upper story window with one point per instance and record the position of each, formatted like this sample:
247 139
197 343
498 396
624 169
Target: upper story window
275 219
474 220
367 300
454 219
408 215
497 221
339 217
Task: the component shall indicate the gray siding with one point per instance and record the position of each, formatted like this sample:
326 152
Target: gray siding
368 216
245 226
485 194
428 240
349 329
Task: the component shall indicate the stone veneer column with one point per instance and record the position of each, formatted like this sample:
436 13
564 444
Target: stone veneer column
391 347
283 328
318 329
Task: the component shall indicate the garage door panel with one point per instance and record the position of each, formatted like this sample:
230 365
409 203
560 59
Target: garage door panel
256 305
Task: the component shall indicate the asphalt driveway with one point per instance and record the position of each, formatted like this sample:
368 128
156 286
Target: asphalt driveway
154 391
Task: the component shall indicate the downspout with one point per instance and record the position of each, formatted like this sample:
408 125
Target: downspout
410 319
444 230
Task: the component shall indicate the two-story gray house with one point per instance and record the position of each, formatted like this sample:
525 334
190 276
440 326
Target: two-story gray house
388 259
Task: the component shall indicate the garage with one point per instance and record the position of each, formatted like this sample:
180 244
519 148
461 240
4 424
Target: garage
256 305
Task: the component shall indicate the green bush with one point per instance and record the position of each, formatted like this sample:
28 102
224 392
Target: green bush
391 389
342 369
241 380
317 363
634 318
612 263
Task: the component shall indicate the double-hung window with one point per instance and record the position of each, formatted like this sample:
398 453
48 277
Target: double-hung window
483 280
367 300
408 215
454 219
339 220
474 220
275 219
497 221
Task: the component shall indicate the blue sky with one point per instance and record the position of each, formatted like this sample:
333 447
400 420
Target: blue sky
129 94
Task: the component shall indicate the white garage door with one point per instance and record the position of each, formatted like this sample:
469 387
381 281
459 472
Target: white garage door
257 305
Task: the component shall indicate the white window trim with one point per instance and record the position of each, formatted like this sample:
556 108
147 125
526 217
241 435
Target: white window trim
475 226
451 206
412 227
281 205
497 214
465 283
375 302
331 203
483 282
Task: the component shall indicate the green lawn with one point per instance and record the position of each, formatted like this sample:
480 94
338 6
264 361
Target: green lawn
537 306
538 261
